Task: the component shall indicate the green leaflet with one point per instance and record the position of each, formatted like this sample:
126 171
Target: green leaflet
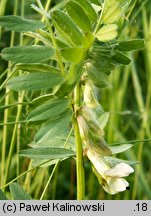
107 33
70 81
48 110
39 101
54 142
27 54
120 148
112 11
47 153
61 44
55 127
19 24
66 27
121 58
135 44
2 195
87 40
34 81
79 16
39 37
18 193
37 67
72 54
89 10
58 141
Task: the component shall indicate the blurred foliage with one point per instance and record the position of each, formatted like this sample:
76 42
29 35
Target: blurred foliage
128 102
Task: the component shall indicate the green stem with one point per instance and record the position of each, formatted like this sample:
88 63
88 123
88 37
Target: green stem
2 12
13 140
20 97
53 171
6 112
28 178
79 152
79 164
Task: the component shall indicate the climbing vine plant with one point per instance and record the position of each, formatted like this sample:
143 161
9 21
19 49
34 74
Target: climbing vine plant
76 48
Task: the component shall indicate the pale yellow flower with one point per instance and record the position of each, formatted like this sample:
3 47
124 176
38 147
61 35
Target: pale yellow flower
110 178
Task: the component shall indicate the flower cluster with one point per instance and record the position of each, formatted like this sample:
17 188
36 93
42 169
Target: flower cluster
110 176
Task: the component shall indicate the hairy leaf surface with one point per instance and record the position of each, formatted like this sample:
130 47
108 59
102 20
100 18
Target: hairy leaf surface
19 24
79 16
34 81
37 67
48 110
135 44
120 148
18 193
66 27
47 153
27 54
2 195
55 127
89 10
121 58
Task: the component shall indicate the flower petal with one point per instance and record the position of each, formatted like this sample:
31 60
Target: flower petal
108 189
120 170
117 184
98 163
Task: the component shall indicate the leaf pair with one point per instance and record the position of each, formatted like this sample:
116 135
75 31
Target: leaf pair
125 46
54 131
79 20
